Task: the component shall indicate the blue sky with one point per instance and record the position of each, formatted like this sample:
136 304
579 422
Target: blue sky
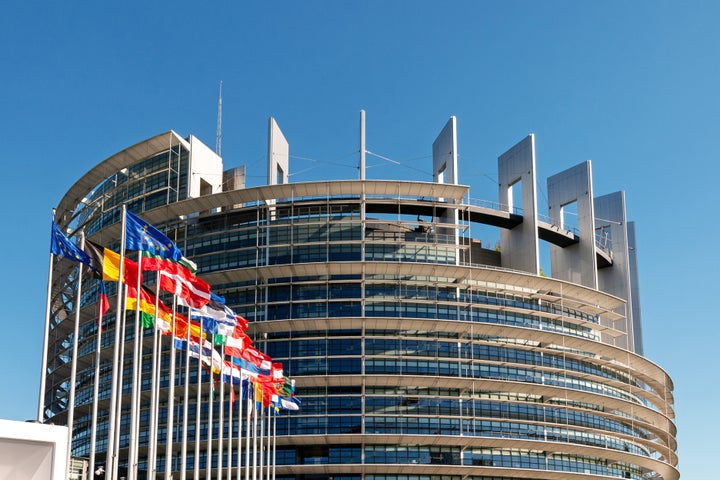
632 86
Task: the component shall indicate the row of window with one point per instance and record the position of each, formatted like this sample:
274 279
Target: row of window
140 188
302 424
420 455
451 349
471 408
104 196
457 368
340 414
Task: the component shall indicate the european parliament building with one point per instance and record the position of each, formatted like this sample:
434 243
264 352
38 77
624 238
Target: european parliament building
418 352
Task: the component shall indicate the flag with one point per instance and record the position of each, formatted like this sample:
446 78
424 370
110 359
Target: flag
97 258
191 291
61 245
257 388
236 343
232 374
210 356
111 267
257 358
241 322
212 313
268 390
103 304
178 278
155 262
181 326
246 367
277 373
105 264
288 387
147 309
286 403
140 235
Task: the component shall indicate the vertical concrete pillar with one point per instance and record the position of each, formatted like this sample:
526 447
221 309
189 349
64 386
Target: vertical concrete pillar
363 148
612 235
520 247
278 155
445 171
445 154
576 263
278 161
634 290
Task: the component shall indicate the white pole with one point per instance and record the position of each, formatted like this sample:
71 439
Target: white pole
269 444
46 336
186 401
261 452
274 453
154 393
73 367
111 460
255 428
118 413
230 424
240 430
96 393
136 373
248 433
221 418
171 402
208 455
198 405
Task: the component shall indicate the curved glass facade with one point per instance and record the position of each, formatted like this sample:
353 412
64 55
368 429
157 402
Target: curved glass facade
416 355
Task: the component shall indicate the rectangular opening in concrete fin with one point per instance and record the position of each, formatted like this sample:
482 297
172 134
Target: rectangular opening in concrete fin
515 197
569 216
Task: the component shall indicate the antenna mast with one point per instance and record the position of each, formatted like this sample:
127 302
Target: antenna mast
218 133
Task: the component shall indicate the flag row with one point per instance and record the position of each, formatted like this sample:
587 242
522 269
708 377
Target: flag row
209 321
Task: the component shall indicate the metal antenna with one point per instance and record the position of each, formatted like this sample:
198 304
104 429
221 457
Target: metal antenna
218 133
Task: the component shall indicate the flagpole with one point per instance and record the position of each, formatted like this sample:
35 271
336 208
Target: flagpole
73 367
154 392
111 456
137 370
261 454
248 431
231 404
208 455
265 442
271 418
171 400
121 373
255 436
261 448
96 387
269 447
198 405
46 337
240 429
186 401
221 419
274 452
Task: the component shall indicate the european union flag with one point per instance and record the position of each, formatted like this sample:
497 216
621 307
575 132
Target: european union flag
140 235
61 245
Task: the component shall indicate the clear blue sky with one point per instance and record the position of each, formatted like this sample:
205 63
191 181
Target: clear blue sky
632 86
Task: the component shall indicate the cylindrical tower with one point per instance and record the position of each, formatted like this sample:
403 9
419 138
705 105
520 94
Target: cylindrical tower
415 353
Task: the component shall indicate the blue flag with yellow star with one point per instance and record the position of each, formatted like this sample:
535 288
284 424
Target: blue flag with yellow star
61 245
140 235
